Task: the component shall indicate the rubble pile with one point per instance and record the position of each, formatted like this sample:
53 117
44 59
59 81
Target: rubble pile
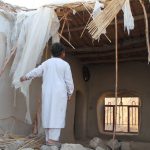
95 144
37 143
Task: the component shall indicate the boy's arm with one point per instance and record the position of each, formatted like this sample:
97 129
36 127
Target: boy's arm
69 82
36 72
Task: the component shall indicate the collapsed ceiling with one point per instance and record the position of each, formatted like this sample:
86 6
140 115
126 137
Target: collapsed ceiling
30 30
131 47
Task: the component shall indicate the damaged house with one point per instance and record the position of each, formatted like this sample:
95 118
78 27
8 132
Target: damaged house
108 47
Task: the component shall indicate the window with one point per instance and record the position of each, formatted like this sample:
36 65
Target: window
127 120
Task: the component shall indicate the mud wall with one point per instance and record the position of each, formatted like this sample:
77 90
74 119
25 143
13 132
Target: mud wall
81 120
132 77
74 114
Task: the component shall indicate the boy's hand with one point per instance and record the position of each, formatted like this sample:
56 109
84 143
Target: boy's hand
23 78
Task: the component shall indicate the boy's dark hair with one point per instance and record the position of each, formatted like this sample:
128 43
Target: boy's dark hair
57 49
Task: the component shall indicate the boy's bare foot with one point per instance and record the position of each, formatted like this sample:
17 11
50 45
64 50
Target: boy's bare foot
53 143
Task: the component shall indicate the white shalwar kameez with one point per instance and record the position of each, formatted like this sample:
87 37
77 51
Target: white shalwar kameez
57 86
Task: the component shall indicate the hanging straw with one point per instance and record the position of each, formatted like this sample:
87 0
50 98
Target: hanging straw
103 19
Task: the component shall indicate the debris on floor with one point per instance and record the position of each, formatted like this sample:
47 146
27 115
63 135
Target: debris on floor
65 147
12 142
97 143
113 143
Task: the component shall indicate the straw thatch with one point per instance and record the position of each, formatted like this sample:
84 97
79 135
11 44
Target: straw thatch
102 20
17 142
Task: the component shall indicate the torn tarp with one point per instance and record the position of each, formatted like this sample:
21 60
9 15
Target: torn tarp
36 29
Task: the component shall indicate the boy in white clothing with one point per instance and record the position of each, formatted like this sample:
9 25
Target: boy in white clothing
57 88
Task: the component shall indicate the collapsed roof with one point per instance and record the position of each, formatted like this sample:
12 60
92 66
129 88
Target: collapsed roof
131 48
92 33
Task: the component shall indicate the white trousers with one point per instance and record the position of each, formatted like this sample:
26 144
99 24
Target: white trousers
52 134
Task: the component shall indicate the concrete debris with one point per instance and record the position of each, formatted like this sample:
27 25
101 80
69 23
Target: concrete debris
94 142
114 143
13 146
45 147
99 148
65 147
72 147
27 149
97 142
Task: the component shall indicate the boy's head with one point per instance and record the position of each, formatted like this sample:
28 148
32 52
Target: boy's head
58 50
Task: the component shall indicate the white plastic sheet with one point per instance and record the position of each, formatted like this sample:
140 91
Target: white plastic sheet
39 3
128 17
19 35
36 29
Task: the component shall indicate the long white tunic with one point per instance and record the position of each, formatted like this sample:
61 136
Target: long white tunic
57 86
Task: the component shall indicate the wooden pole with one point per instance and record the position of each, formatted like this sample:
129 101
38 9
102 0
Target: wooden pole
116 81
66 40
7 60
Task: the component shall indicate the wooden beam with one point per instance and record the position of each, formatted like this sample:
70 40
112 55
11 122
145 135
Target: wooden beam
112 53
136 18
78 7
108 48
113 61
74 29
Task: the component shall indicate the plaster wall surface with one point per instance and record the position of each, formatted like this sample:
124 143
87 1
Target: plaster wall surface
73 113
13 105
133 76
18 126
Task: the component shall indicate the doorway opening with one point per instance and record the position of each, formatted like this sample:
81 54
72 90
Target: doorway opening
79 116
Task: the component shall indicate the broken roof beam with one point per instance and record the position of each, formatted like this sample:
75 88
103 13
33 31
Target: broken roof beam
112 53
88 62
122 43
136 18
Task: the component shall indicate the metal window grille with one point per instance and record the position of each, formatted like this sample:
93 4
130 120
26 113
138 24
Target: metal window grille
127 116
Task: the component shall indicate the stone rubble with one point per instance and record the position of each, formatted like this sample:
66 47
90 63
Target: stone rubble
99 148
72 147
114 143
13 146
44 147
65 147
95 144
98 144
27 149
